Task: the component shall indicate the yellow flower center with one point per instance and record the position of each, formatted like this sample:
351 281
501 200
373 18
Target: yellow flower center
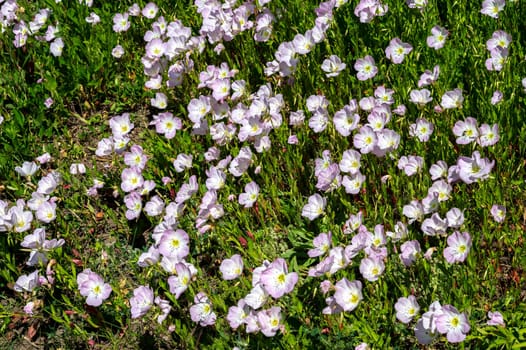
175 243
354 298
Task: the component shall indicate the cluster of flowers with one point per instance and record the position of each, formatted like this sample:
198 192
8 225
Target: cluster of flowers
286 57
372 137
269 279
497 46
252 122
165 42
255 121
9 17
170 250
446 320
367 10
336 258
121 126
143 300
221 21
329 178
173 42
468 131
21 218
467 170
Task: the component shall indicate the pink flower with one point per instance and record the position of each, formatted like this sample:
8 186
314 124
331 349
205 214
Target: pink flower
321 243
495 319
315 207
498 212
350 162
174 244
414 211
371 268
117 51
497 97
149 258
165 308
293 140
420 97
120 22
201 312
473 169
362 346
499 38
27 169
231 268
348 294
367 10
48 102
276 279
332 66
406 309
29 308
437 38
497 59
142 301
237 314
466 131
488 135
429 77
410 164
92 286
131 179
492 7
410 252
44 158
249 197
26 283
455 218
400 110
365 68
417 4
160 101
452 99
269 321
46 212
459 245
179 283
452 323
397 50
150 10
353 183
421 129
365 140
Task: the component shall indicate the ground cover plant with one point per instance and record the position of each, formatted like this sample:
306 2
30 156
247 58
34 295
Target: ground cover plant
262 174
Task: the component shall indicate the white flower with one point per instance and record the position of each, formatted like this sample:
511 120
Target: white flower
315 207
27 169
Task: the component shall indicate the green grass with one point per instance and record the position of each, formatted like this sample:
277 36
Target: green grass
89 87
